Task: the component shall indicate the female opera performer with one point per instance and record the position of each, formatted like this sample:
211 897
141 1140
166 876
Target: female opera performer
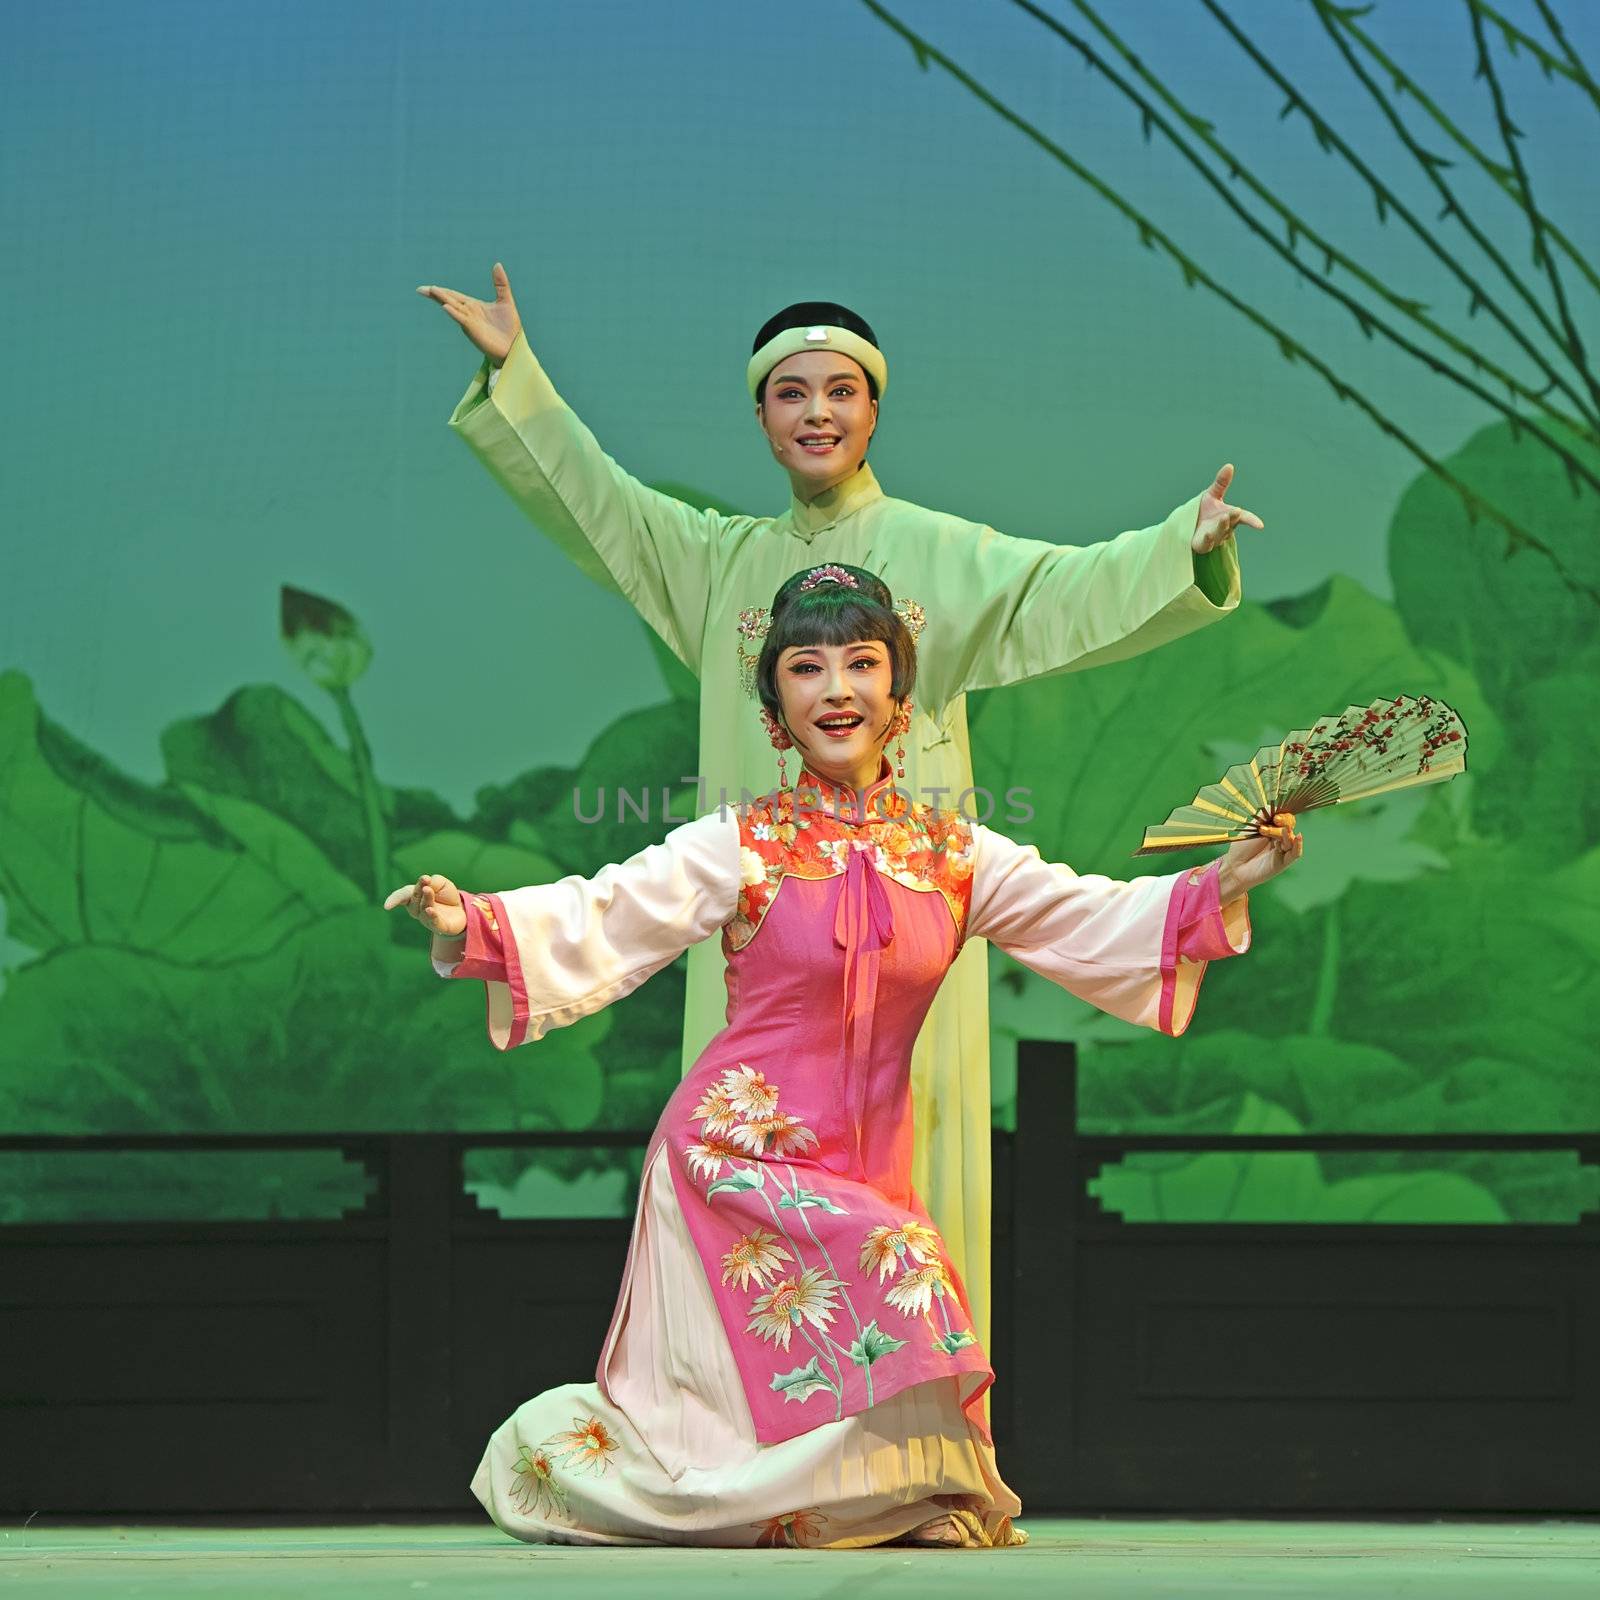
1000 609
792 1359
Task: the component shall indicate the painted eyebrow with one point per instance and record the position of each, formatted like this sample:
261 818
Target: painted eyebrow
816 649
838 377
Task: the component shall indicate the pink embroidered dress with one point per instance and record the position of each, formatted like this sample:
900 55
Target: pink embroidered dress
792 1359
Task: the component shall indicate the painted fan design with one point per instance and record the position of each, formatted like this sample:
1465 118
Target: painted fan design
1391 744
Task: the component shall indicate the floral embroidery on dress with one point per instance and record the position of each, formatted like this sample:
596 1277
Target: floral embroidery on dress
739 1116
536 1491
706 1158
885 1248
917 845
777 1313
793 1530
757 1255
917 1290
585 1447
749 1093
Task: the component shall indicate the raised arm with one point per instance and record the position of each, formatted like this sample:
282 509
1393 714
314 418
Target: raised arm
1030 608
657 552
554 952
1136 948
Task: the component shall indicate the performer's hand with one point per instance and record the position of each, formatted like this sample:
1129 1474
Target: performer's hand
492 325
1250 862
1217 519
435 902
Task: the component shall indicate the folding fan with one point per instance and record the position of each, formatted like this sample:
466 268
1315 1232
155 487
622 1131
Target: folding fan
1391 744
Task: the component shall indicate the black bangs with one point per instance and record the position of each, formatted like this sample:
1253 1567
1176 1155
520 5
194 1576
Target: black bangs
845 620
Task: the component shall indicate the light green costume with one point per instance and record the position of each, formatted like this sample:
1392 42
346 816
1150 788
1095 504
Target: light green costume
999 610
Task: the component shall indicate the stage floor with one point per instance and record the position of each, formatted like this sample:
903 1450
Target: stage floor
1086 1560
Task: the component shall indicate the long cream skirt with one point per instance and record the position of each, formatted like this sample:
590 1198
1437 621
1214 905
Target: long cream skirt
672 1458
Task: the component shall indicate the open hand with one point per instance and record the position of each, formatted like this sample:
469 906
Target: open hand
492 325
1217 519
435 902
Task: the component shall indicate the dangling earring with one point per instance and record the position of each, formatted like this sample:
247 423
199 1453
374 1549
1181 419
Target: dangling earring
902 725
780 742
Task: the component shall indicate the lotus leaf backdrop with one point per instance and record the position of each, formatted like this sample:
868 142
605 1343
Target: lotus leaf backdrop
220 384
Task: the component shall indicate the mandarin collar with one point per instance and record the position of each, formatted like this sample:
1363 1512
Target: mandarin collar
811 517
845 804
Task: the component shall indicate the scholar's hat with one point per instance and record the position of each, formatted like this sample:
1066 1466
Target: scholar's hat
816 325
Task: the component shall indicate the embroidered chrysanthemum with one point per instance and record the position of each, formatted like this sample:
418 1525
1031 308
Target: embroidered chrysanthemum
913 1292
777 1135
585 1447
793 1530
884 1248
757 1255
749 1093
706 1158
535 1488
777 1313
716 1110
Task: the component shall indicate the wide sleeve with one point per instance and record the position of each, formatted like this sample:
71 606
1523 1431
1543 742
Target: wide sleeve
1030 608
1136 948
571 947
479 951
657 552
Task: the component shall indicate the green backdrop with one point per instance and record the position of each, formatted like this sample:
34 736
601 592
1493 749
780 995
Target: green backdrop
273 643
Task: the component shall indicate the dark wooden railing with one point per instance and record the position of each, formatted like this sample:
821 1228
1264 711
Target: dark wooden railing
357 1363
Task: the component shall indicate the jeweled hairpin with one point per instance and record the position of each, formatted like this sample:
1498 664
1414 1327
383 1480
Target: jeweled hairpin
828 574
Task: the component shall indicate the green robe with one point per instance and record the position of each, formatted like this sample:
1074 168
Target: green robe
999 610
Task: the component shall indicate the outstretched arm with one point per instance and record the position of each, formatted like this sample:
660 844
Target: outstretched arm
554 952
1136 948
657 552
1043 608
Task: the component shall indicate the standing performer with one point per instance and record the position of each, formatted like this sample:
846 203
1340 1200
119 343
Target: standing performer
793 1358
1001 610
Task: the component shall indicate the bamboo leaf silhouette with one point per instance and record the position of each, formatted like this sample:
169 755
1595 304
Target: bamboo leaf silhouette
1509 134
1294 224
1452 206
1571 68
1517 537
1575 69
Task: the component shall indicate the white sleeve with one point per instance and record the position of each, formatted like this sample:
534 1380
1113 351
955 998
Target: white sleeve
573 946
1113 942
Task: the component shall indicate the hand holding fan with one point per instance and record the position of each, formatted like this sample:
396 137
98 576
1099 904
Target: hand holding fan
1391 744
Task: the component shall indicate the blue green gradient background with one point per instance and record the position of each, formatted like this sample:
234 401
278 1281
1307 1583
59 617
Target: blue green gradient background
220 380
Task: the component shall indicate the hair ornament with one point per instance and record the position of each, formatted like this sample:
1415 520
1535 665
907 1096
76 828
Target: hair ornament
754 621
914 617
818 576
